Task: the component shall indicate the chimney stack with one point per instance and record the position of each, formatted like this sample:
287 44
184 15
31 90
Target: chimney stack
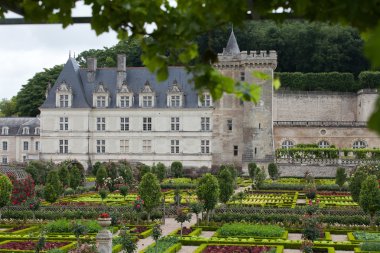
91 69
121 70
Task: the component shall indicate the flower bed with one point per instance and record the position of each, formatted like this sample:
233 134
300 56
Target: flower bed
29 246
216 248
267 199
165 244
19 229
363 236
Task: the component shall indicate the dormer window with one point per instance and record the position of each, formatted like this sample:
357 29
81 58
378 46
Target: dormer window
174 96
37 131
64 95
25 130
147 96
124 97
100 96
205 100
5 130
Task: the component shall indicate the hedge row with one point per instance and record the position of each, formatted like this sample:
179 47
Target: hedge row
330 81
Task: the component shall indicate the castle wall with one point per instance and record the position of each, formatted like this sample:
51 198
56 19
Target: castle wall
341 137
315 106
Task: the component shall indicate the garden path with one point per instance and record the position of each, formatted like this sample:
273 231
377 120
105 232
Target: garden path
170 226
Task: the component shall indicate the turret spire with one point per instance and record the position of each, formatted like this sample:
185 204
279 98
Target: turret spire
232 45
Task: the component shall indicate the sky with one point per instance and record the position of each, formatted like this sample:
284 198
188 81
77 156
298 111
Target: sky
28 49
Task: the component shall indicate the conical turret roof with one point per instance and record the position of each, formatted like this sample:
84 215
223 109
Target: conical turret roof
232 45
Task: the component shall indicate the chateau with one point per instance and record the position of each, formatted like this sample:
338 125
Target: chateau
103 114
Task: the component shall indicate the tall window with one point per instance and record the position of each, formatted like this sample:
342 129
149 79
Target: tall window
63 123
26 145
147 146
147 101
64 101
5 145
37 145
205 146
175 101
63 146
37 131
236 150
323 144
101 124
124 124
287 144
124 146
100 146
25 130
101 101
4 160
359 144
124 101
229 124
242 76
174 146
147 124
206 101
5 130
175 123
205 123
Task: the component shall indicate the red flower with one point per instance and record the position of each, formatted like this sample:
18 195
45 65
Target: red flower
104 215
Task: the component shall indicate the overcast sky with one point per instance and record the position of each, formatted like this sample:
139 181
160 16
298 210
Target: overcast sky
28 49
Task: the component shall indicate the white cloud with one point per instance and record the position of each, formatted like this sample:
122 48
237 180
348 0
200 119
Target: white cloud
28 49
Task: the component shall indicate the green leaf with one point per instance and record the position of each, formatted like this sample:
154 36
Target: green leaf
276 83
372 46
260 75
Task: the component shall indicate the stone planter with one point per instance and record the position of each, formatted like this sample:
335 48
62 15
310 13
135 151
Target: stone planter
104 222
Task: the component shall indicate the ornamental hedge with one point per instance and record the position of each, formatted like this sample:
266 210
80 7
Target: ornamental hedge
330 81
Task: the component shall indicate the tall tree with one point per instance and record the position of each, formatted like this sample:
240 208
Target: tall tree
32 94
226 185
356 184
208 192
150 192
369 198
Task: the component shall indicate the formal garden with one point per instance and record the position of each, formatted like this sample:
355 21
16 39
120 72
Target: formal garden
59 208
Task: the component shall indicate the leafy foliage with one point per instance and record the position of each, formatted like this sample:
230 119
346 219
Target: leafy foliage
50 193
150 192
340 177
8 107
355 184
75 177
243 229
160 171
53 179
273 171
369 198
64 176
101 176
256 174
5 190
208 191
176 169
22 189
226 185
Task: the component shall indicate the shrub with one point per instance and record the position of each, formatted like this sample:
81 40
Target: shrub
22 189
163 244
144 169
340 177
101 176
208 192
226 185
64 175
150 192
103 194
5 191
369 198
160 171
370 246
69 191
369 79
356 183
123 191
273 171
125 172
176 169
243 229
50 193
75 177
53 179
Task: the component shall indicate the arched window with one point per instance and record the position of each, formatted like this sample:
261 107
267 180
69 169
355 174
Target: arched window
359 144
287 144
5 130
323 144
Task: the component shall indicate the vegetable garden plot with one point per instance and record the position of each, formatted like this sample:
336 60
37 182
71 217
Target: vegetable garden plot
267 199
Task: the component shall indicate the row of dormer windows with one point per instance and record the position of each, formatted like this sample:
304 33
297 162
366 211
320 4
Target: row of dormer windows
25 130
126 101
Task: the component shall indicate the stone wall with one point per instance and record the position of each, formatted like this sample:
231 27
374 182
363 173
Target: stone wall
289 170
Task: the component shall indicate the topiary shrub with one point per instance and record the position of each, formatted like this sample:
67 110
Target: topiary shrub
273 171
176 169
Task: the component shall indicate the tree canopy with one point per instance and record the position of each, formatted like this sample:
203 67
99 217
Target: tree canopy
176 25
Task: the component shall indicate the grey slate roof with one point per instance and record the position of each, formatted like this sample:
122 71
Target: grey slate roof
76 78
232 47
16 125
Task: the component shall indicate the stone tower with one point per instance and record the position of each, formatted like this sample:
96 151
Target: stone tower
253 131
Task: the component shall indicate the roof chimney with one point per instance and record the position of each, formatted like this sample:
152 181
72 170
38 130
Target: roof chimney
91 69
121 70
